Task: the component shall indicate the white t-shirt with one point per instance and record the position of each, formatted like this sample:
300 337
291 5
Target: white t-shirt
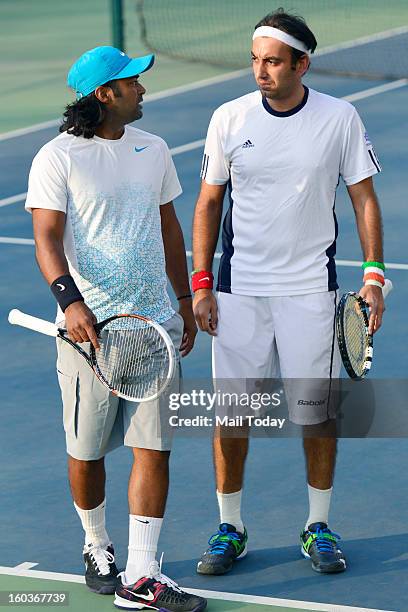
279 234
111 191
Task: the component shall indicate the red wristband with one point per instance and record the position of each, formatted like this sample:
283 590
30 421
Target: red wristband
202 280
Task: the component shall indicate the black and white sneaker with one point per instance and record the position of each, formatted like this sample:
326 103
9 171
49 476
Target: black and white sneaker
101 571
156 591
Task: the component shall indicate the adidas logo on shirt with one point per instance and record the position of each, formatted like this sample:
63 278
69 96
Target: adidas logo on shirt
247 145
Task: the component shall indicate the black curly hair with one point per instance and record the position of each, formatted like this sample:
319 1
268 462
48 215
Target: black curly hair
82 117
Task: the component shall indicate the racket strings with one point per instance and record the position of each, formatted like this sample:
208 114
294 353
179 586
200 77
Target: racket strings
134 362
355 335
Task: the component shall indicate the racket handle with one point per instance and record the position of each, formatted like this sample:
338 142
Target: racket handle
16 317
387 287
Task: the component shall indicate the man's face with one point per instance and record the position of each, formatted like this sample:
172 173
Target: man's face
275 74
126 103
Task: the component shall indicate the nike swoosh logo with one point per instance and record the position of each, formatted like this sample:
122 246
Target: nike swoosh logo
62 287
205 278
145 522
148 597
139 150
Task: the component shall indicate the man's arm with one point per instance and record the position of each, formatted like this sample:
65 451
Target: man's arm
369 225
176 269
206 227
48 228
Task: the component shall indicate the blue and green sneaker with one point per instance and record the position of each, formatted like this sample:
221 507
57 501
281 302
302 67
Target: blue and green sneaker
319 544
226 546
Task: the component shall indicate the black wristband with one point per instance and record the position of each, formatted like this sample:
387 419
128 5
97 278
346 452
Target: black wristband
184 297
65 291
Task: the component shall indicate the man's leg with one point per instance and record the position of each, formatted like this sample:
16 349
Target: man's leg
148 488
92 430
147 432
230 448
310 365
229 462
143 580
318 543
87 482
243 349
320 456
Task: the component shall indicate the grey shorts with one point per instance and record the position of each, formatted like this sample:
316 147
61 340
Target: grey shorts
95 421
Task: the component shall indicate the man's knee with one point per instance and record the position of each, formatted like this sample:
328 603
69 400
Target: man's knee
80 466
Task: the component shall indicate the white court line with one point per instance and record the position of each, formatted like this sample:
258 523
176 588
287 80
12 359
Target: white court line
339 262
373 91
221 78
349 44
190 146
25 566
7 240
255 599
13 199
159 95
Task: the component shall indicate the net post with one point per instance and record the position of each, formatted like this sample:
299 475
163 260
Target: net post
118 34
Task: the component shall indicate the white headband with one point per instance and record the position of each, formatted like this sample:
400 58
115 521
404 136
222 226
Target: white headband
282 36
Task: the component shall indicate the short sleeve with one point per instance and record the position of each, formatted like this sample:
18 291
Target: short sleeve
358 158
215 168
47 182
171 187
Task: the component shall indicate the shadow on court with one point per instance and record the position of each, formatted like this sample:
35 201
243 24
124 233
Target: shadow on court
281 572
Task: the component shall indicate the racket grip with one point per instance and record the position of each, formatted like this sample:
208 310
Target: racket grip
387 287
16 317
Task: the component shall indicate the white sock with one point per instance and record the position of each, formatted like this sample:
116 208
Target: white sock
144 534
230 509
319 505
93 522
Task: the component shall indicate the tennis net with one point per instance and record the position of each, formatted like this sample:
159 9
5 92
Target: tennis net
364 38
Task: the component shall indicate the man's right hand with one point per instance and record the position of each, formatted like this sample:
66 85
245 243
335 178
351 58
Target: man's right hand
206 311
80 321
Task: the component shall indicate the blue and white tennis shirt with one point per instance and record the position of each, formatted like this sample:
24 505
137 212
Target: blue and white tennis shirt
282 169
111 192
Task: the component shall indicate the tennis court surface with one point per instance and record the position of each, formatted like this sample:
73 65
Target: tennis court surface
41 535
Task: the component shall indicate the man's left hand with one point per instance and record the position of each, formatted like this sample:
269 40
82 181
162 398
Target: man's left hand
374 297
190 327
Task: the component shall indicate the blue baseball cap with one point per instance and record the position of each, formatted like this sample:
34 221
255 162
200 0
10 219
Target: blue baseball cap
102 64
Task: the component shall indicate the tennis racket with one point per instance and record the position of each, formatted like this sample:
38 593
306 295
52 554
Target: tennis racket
355 342
137 361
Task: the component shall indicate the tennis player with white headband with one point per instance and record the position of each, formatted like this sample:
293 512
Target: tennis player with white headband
281 151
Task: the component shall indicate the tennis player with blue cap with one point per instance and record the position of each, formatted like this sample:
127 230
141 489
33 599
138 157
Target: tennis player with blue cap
106 232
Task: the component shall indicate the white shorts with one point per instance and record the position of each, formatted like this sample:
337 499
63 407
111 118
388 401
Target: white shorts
292 337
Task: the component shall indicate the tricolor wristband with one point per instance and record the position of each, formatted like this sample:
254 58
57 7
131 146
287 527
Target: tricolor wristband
202 279
65 291
374 273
